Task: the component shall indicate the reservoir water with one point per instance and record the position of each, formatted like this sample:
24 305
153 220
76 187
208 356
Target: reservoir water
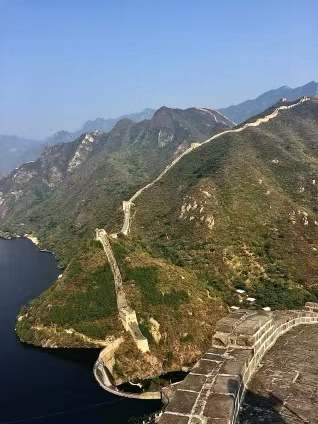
48 385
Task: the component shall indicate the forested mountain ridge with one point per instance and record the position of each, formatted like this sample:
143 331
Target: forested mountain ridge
74 187
17 150
237 212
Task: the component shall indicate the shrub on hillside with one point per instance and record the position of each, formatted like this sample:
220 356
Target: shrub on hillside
281 294
146 278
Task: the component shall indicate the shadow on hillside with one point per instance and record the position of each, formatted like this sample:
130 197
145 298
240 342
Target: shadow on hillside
256 408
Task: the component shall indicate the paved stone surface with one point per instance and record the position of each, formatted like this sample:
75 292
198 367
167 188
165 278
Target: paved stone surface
290 389
219 406
173 419
183 402
239 358
192 382
205 367
285 389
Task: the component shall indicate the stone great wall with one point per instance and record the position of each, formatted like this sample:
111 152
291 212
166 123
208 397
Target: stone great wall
127 204
126 314
214 389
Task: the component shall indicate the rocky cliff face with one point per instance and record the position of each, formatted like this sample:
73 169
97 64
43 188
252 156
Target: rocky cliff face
18 150
85 179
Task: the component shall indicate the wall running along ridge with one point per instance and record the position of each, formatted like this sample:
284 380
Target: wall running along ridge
128 203
126 314
104 365
214 389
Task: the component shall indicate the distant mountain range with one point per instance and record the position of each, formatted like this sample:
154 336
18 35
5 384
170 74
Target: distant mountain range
243 111
86 179
17 150
100 124
236 212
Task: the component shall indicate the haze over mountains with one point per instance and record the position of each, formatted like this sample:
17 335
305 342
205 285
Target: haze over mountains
101 124
243 111
88 178
16 150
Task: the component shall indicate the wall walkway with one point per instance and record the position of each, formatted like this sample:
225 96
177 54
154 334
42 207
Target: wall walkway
126 314
213 390
127 204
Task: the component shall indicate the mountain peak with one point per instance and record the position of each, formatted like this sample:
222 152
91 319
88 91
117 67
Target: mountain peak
166 117
163 118
245 110
122 124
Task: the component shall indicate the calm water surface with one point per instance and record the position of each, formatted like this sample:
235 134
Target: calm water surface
41 385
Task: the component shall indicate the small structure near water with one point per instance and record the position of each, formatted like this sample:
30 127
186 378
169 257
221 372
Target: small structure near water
213 390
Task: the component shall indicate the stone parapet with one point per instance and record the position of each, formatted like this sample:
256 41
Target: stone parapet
127 315
311 307
214 389
104 379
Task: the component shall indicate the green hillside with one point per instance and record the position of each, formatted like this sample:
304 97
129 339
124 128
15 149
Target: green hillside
236 213
75 187
243 207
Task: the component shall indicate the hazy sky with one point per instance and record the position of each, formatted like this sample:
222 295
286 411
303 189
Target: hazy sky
65 61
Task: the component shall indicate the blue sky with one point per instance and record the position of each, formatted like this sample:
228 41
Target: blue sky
65 61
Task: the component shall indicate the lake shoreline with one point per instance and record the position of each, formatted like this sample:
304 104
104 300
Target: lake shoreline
69 392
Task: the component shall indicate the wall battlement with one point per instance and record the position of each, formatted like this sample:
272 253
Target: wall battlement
214 389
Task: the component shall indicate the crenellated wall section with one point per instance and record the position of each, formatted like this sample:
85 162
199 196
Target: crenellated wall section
214 389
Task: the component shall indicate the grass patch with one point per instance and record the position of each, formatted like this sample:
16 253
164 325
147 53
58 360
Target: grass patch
146 278
81 308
